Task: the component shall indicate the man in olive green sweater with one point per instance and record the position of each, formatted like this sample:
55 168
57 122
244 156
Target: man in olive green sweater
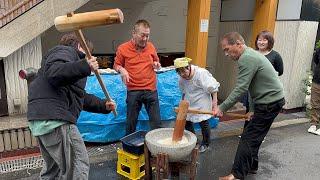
256 74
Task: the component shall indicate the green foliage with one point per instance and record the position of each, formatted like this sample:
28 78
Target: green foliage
306 89
307 83
318 44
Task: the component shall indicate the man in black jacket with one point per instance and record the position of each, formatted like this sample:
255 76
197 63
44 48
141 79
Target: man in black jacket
315 95
56 98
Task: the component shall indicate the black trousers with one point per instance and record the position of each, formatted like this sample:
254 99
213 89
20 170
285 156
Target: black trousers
134 101
246 158
205 129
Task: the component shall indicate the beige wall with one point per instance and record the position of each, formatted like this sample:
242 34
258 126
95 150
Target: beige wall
27 56
294 40
32 23
226 70
167 19
213 36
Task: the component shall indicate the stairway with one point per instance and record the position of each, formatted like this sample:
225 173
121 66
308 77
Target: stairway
23 20
11 9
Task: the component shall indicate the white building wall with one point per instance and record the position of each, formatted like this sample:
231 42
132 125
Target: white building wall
28 55
167 19
295 42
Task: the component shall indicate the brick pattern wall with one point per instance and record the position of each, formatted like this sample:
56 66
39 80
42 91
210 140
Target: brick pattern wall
11 9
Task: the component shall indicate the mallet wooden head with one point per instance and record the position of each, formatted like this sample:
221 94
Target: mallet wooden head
88 19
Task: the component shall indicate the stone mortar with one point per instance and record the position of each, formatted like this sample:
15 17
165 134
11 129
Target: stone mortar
176 152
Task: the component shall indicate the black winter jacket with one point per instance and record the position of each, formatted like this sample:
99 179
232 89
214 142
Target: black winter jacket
58 92
316 68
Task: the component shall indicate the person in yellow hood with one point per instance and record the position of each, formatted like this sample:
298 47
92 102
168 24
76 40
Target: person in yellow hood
200 89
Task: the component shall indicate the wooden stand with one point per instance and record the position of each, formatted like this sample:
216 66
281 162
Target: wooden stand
164 167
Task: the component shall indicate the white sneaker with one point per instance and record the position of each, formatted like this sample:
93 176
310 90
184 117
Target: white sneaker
312 129
317 132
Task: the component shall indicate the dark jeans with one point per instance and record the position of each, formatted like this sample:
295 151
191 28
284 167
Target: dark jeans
135 99
245 102
205 129
246 158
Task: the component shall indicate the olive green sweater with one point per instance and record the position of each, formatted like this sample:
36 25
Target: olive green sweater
256 74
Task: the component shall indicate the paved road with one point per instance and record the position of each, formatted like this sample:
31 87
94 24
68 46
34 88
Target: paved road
289 153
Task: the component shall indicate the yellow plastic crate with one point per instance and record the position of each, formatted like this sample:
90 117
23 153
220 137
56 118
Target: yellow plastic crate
130 165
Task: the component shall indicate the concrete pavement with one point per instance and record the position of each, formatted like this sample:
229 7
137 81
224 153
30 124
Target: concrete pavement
212 164
288 153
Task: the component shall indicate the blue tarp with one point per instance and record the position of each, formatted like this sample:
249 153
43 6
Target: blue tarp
107 128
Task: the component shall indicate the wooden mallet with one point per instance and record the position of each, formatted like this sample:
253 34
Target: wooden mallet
76 22
180 121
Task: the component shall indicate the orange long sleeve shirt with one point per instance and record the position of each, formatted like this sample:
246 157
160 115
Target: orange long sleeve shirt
138 64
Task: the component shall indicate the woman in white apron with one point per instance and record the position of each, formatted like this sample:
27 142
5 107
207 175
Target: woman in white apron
200 89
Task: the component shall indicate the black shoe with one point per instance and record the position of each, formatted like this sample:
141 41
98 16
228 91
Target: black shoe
253 171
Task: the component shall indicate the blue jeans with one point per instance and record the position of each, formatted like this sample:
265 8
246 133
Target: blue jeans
246 158
135 99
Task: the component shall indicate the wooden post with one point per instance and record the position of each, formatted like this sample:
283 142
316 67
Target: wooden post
181 121
34 141
197 31
264 18
7 141
1 142
27 137
148 168
193 168
20 139
14 139
162 166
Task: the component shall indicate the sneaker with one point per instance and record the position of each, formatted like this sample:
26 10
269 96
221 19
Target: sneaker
312 129
317 132
203 148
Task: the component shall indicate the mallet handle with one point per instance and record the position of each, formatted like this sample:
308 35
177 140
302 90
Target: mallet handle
196 111
96 72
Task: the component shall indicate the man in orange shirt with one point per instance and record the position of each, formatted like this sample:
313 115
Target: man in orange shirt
136 61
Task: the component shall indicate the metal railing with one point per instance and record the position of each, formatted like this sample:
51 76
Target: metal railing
11 9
